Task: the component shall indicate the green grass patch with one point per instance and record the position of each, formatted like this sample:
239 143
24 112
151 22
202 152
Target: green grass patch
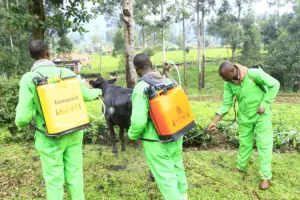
110 63
192 56
209 175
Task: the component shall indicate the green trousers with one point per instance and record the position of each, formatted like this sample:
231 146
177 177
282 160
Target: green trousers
262 125
166 165
61 160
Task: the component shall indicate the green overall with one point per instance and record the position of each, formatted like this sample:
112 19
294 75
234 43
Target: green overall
61 157
164 159
250 96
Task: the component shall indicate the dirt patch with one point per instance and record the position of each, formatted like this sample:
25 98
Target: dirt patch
116 167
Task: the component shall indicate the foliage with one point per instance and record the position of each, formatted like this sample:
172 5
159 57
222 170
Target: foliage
187 49
251 47
228 23
98 129
149 51
9 89
87 73
119 43
285 49
65 45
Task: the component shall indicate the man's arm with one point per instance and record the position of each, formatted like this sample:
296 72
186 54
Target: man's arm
166 72
139 116
89 94
227 100
25 108
227 104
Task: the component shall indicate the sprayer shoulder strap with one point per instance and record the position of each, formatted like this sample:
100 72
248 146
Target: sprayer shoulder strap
150 84
255 81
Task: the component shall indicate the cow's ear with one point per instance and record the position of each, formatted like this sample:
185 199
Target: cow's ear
112 81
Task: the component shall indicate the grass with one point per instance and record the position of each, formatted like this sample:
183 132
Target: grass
192 56
213 83
209 174
110 63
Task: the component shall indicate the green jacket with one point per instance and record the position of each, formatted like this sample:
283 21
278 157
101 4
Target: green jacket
141 123
29 108
249 95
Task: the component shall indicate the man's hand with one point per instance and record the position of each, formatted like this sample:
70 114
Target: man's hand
212 127
167 68
260 110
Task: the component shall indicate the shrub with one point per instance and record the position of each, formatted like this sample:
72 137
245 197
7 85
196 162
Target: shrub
88 73
149 51
9 89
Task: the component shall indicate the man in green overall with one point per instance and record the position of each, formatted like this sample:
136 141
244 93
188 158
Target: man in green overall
254 90
164 159
61 157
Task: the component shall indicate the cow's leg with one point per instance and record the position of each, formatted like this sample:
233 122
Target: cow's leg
110 126
122 139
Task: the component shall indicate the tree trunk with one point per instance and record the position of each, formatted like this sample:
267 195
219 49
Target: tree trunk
203 49
9 29
199 47
299 83
233 54
36 7
131 75
100 56
184 58
144 38
240 7
163 36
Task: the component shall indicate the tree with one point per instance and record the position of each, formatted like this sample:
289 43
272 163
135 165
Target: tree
75 10
251 47
131 75
118 42
65 45
143 9
109 34
179 40
283 57
228 25
204 6
123 9
13 45
36 8
96 42
182 14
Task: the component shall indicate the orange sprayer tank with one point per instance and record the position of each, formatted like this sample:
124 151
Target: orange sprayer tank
170 112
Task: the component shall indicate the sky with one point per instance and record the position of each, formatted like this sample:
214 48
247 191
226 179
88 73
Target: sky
262 7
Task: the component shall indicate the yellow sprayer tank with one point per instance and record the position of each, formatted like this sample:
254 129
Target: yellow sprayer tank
63 106
171 113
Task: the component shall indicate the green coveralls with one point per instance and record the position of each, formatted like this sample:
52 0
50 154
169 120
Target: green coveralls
164 159
61 157
250 96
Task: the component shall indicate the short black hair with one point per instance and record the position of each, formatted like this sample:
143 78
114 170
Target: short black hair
37 49
142 61
226 66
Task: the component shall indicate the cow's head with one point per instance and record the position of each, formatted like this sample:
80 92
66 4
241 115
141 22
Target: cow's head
98 83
